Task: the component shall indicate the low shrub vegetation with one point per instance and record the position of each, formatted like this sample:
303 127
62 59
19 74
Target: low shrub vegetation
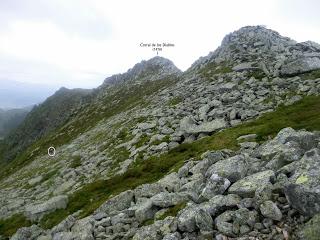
10 225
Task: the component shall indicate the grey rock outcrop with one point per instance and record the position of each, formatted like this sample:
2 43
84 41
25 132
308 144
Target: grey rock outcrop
36 212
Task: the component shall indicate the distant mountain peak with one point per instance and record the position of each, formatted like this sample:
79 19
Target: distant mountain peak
147 70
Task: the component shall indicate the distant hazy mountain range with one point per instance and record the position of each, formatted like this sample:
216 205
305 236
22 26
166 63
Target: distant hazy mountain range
10 119
15 94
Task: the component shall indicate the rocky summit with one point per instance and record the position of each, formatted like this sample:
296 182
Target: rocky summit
228 149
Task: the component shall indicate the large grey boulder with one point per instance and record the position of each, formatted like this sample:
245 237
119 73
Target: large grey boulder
117 203
215 185
203 111
288 146
147 233
202 166
226 87
25 233
167 225
64 236
244 66
186 219
303 187
270 210
220 203
65 225
224 225
172 236
171 182
306 140
158 230
194 187
204 221
213 156
247 186
36 212
189 126
304 199
300 65
166 199
228 221
233 168
270 149
83 228
145 211
147 190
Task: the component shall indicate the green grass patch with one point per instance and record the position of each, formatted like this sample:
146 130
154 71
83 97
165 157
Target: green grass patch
310 75
148 222
49 175
175 101
311 230
144 139
76 162
119 155
9 226
165 139
213 68
257 74
123 135
173 211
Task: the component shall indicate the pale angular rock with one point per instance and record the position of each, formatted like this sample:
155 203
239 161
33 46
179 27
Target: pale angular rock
25 233
83 228
233 168
302 190
36 212
216 185
172 236
166 199
270 210
300 65
203 220
306 140
35 180
147 233
247 186
145 211
186 219
188 125
148 190
146 126
171 182
117 203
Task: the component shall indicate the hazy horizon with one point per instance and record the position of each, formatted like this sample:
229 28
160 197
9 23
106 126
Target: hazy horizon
15 94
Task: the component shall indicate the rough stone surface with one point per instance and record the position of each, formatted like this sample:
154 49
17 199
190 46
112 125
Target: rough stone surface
36 212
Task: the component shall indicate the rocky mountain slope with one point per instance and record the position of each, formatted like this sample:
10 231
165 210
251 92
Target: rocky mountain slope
215 152
43 119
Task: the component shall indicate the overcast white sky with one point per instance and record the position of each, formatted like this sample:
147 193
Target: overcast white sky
77 43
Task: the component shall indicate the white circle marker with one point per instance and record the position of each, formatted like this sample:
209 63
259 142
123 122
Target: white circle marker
51 151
